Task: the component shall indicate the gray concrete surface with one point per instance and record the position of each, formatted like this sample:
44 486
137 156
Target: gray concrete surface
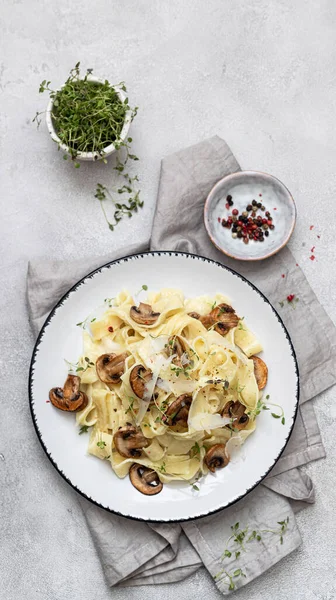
261 74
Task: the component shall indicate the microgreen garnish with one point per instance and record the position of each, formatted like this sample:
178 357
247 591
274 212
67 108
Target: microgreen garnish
236 545
262 405
184 370
144 288
196 481
83 429
195 449
162 468
88 365
101 445
109 301
74 368
131 400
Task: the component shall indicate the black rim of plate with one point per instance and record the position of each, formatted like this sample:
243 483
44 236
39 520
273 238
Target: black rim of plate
60 303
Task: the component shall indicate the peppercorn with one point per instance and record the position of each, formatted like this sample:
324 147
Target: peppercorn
249 207
267 233
245 213
254 208
234 234
259 204
228 198
235 211
246 240
239 234
251 236
234 219
254 203
264 226
262 207
267 213
271 226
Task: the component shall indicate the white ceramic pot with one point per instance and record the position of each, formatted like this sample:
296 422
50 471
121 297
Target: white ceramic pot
108 150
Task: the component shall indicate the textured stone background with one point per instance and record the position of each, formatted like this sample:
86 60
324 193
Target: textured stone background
261 74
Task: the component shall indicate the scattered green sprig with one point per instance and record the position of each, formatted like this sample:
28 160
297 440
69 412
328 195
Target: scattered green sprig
101 445
236 545
262 405
83 429
121 209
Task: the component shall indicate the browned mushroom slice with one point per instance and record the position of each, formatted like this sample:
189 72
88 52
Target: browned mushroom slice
129 441
144 314
236 412
260 371
139 376
176 346
206 320
69 398
216 457
145 480
178 411
225 317
110 367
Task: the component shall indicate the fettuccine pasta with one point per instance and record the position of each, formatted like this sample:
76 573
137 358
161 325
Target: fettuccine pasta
170 386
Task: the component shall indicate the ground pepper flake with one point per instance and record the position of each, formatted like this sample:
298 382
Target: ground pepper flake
318 236
283 275
311 227
312 257
312 250
290 297
110 329
47 401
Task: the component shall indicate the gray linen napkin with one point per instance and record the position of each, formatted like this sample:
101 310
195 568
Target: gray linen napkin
162 553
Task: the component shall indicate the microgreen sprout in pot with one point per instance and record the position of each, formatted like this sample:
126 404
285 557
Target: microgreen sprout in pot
88 118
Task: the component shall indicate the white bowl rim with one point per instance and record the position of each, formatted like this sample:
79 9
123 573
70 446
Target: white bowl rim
108 150
237 175
59 304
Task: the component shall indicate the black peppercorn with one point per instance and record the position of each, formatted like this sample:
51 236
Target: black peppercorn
254 203
249 207
240 234
267 233
259 204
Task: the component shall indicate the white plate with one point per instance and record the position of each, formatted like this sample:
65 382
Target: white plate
60 338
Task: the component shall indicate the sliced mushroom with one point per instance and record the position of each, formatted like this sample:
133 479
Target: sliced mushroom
69 398
206 320
144 314
176 346
225 318
222 316
145 480
216 457
260 371
139 376
178 411
110 367
236 412
129 441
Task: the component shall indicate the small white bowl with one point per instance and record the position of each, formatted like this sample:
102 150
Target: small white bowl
245 186
108 150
